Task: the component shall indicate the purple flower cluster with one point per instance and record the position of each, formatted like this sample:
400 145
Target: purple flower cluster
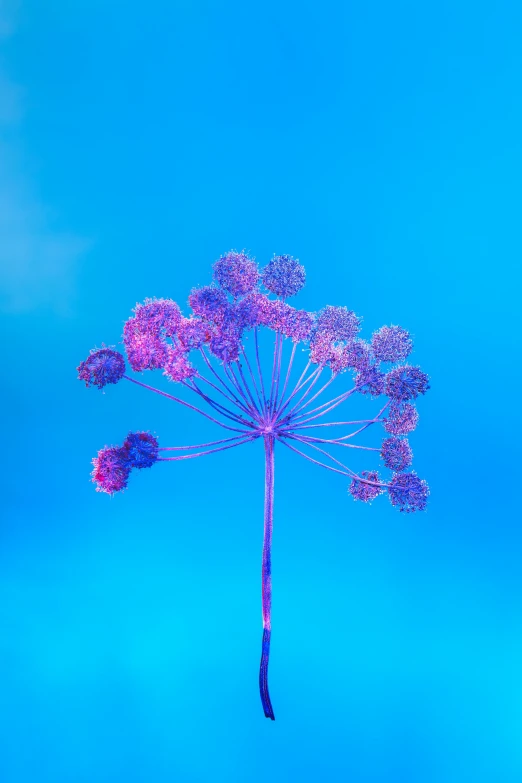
408 492
391 344
402 418
236 273
284 276
102 366
406 383
113 464
367 487
396 453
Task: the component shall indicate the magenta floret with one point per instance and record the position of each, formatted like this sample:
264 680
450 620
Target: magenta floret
402 419
111 470
176 366
284 276
322 348
391 344
209 302
339 322
145 349
103 366
396 453
155 315
236 273
406 383
362 490
408 492
193 333
141 449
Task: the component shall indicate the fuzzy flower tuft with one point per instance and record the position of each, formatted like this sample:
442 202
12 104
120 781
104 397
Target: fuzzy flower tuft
339 322
370 380
145 349
236 273
141 449
403 418
155 315
103 366
111 470
408 492
209 302
406 383
391 344
177 367
396 453
284 276
322 348
362 490
192 333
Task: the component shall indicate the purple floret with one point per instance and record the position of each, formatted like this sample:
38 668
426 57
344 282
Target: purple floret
321 348
406 383
209 302
396 453
111 470
155 315
176 366
141 449
403 418
192 333
145 349
339 322
408 492
226 342
391 344
103 366
236 273
370 380
284 276
362 490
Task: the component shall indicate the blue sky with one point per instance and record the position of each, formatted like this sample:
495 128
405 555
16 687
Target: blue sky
381 146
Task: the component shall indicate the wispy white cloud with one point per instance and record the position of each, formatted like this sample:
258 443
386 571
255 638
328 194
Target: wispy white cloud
38 265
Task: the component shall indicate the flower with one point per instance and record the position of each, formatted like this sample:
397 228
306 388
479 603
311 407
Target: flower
111 470
391 344
176 366
155 315
403 418
408 492
192 333
209 302
396 453
283 276
339 322
362 490
103 366
145 349
406 382
321 348
370 380
236 273
141 449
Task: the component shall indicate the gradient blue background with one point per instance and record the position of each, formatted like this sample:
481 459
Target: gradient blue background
381 144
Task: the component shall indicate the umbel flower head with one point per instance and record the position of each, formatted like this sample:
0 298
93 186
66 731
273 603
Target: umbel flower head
215 355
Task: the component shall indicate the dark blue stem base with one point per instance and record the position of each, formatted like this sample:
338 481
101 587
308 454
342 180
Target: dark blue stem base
263 677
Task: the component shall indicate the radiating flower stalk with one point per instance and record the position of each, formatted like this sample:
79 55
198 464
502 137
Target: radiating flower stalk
234 390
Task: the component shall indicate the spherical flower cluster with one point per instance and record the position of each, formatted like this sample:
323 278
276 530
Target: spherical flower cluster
322 348
339 322
362 490
391 344
176 366
370 380
236 273
354 355
155 315
192 333
406 383
103 366
141 449
396 453
283 276
209 302
145 350
111 470
225 343
408 492
295 324
403 418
